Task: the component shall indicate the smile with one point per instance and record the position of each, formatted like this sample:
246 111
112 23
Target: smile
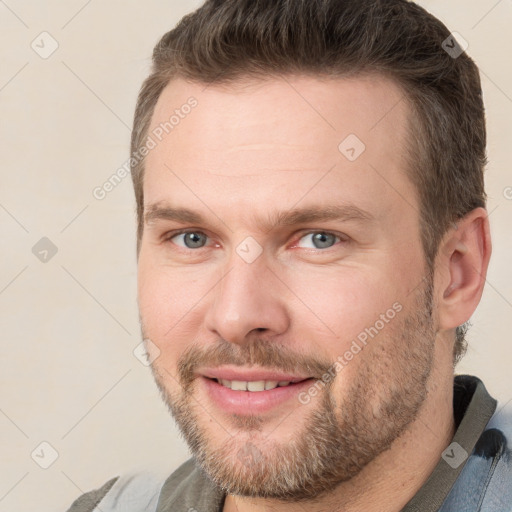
255 385
259 396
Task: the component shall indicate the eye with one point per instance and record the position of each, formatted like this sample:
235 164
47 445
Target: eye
318 240
190 239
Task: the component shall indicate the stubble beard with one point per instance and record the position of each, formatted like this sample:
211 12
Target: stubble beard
337 439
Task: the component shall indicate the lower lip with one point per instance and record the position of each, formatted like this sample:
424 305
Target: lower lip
252 402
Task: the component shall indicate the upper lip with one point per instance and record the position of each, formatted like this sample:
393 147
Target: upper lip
250 374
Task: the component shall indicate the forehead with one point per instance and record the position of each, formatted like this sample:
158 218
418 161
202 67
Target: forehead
287 131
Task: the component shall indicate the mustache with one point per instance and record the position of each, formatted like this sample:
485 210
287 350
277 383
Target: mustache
254 352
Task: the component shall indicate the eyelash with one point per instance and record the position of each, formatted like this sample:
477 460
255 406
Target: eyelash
341 238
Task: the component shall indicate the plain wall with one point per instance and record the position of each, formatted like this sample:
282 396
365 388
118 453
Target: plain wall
68 376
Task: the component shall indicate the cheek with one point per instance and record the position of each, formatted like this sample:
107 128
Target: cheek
343 303
362 318
170 304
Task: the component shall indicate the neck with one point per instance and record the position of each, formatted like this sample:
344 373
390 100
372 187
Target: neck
392 478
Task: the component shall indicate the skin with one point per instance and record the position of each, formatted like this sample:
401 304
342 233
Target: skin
262 147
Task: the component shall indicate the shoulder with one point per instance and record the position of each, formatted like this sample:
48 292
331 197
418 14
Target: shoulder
485 481
187 486
494 447
495 441
127 493
88 501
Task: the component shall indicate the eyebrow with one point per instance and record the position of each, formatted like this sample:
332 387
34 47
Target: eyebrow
275 219
159 211
347 212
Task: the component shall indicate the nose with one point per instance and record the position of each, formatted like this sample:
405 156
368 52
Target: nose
249 300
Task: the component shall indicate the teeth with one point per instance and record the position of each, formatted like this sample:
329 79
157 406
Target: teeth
238 385
256 385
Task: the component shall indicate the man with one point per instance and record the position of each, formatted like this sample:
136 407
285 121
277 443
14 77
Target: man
312 239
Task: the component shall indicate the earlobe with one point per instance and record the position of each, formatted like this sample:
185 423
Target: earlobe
464 259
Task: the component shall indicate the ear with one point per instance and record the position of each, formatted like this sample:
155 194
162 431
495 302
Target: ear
461 268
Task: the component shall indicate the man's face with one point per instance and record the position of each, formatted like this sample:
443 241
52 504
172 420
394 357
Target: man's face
270 253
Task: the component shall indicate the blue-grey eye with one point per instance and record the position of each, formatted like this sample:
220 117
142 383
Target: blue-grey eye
190 240
318 240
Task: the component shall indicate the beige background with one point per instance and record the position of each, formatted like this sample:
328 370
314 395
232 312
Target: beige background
69 326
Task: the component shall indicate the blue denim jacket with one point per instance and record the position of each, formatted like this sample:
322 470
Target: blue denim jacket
485 483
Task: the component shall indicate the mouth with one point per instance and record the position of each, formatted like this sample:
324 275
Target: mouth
251 391
255 385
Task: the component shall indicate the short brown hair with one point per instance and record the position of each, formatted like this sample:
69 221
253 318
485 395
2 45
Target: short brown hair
227 40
